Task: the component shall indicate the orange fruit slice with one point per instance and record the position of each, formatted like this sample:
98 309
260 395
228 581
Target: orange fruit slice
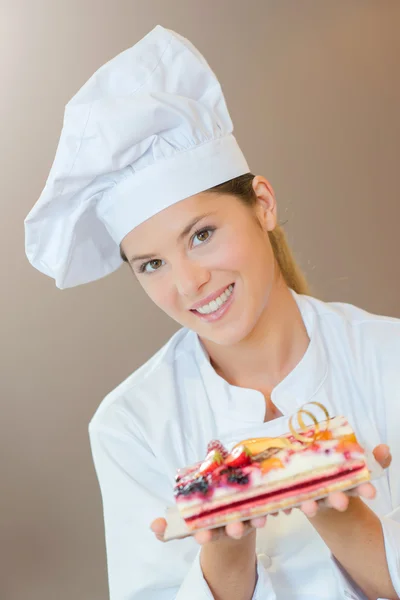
271 463
258 445
350 446
324 435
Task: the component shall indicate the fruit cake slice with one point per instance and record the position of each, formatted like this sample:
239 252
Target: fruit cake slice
265 475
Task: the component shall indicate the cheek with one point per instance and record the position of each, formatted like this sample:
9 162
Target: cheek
244 253
161 292
232 253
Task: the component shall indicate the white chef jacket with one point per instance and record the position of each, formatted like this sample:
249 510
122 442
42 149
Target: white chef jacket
162 417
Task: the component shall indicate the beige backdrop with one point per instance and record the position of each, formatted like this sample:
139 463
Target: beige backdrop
313 87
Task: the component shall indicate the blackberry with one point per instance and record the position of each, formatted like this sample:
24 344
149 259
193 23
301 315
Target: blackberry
227 470
238 477
198 485
178 490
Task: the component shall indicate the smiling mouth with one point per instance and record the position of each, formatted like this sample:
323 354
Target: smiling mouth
215 304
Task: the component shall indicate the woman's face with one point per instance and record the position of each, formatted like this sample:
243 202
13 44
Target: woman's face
207 262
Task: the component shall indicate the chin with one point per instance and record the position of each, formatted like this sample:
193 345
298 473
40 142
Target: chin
230 335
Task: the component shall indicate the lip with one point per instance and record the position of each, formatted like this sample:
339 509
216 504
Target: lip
219 313
211 297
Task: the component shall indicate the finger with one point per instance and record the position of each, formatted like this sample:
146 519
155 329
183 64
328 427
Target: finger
287 511
258 522
338 500
236 530
366 490
309 508
204 536
382 455
158 526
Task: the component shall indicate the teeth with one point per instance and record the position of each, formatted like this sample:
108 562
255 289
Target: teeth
215 304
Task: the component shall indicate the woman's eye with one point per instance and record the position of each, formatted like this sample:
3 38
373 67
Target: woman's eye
151 266
202 236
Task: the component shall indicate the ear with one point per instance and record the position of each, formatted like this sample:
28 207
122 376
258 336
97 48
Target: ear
266 203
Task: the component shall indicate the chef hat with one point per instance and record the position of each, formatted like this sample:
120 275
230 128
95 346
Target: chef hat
148 129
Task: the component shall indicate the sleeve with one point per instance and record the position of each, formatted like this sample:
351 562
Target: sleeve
134 492
349 590
391 532
380 361
385 380
263 589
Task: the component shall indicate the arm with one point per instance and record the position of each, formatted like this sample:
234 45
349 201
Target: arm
230 567
227 561
366 546
135 491
355 538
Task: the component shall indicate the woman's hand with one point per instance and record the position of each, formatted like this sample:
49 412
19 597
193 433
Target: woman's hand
235 530
340 500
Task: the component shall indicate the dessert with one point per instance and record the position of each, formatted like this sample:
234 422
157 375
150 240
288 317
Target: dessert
263 475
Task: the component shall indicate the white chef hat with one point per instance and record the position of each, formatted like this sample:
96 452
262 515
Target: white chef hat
148 129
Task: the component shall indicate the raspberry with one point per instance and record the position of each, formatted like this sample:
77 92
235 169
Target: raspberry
216 445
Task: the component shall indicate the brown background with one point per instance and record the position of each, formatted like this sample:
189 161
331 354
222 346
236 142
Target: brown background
313 88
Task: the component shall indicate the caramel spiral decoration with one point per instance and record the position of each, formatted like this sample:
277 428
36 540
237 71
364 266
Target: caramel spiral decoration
260 447
302 411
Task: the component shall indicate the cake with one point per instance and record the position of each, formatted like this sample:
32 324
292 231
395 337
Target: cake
263 475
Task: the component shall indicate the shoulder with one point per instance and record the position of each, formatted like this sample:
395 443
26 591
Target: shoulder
350 324
363 352
134 399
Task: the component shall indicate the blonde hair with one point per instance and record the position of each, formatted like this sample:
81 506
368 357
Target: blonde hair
242 188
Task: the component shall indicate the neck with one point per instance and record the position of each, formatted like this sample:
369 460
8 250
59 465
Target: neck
270 352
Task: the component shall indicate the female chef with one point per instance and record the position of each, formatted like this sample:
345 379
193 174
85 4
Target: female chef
148 171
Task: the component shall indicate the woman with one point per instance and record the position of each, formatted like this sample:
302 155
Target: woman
147 170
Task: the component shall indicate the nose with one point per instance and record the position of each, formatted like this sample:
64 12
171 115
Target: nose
189 277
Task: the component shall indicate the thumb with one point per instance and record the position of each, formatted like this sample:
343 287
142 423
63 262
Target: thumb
382 455
158 527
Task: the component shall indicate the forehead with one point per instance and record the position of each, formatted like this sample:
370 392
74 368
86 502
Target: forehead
172 221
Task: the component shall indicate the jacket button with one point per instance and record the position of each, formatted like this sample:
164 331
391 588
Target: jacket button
264 560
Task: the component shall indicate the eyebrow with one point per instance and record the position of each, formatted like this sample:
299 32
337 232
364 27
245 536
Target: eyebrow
182 235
